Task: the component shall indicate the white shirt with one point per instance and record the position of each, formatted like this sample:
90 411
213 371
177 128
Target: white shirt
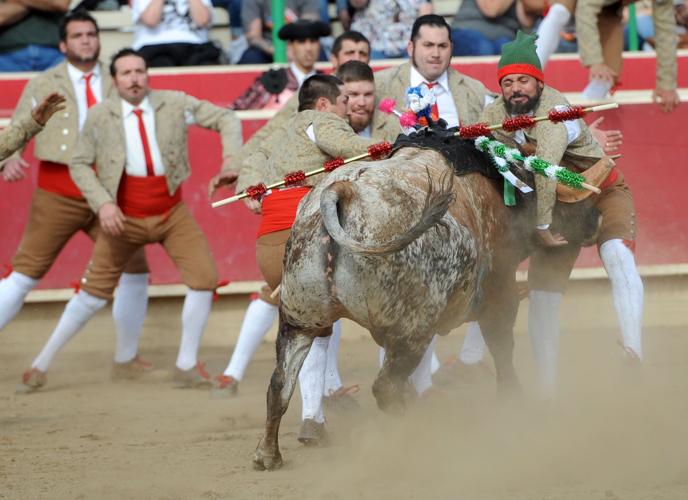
300 75
366 132
136 158
175 25
445 101
79 86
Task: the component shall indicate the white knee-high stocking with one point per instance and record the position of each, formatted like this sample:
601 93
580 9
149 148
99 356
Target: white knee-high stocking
195 314
473 347
78 311
543 329
13 291
332 379
312 380
627 290
421 378
258 319
548 32
129 311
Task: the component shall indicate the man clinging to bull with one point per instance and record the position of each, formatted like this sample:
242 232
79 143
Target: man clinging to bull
572 144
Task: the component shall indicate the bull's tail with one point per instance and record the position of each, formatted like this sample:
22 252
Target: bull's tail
437 203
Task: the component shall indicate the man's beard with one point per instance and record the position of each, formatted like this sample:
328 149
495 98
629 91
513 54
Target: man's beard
358 123
74 58
524 108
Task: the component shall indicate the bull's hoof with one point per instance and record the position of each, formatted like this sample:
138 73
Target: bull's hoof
266 461
388 399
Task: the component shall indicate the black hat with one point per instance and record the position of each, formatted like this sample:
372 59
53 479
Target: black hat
303 29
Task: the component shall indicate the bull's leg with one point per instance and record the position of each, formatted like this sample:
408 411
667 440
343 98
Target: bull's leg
497 325
293 345
402 356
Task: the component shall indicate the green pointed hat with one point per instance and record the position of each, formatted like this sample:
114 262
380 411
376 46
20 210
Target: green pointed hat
519 56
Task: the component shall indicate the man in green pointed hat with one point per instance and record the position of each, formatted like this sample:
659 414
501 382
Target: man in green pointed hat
570 144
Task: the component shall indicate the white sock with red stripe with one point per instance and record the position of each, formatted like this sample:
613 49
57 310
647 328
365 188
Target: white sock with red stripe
627 290
195 314
473 347
543 329
78 311
333 381
13 291
549 30
312 380
129 311
257 322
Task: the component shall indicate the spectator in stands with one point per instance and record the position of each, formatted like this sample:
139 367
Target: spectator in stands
387 23
600 42
481 27
273 88
174 32
233 7
257 19
29 34
350 46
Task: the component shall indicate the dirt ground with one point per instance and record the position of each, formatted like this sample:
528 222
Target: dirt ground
614 432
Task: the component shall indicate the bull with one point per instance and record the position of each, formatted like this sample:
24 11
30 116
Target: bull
406 249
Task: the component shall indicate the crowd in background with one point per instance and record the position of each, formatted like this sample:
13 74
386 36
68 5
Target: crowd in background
176 32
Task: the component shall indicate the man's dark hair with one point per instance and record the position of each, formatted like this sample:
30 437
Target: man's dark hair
428 20
318 86
75 15
123 53
355 71
354 36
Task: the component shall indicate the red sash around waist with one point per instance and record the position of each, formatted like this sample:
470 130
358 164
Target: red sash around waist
55 178
610 180
146 196
279 209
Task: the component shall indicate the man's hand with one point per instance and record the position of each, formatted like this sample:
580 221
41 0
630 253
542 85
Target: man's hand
111 219
48 107
253 205
14 170
667 99
223 179
604 73
610 140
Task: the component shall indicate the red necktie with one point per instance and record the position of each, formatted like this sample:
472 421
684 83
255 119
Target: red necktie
90 96
144 142
434 111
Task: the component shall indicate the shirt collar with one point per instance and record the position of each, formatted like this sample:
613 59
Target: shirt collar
416 79
300 75
128 108
76 74
366 132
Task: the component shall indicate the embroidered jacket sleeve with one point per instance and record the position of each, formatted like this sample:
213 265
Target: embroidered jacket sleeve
665 43
16 135
336 138
81 165
224 121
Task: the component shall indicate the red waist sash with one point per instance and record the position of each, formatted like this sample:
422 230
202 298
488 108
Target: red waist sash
610 180
279 209
146 196
54 177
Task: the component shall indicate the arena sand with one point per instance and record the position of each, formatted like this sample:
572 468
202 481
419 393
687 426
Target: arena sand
614 432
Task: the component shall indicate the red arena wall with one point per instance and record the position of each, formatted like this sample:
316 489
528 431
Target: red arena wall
653 162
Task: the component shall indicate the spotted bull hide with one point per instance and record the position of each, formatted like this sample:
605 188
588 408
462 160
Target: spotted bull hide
405 249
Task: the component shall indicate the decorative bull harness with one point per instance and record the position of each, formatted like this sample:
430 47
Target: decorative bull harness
500 154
